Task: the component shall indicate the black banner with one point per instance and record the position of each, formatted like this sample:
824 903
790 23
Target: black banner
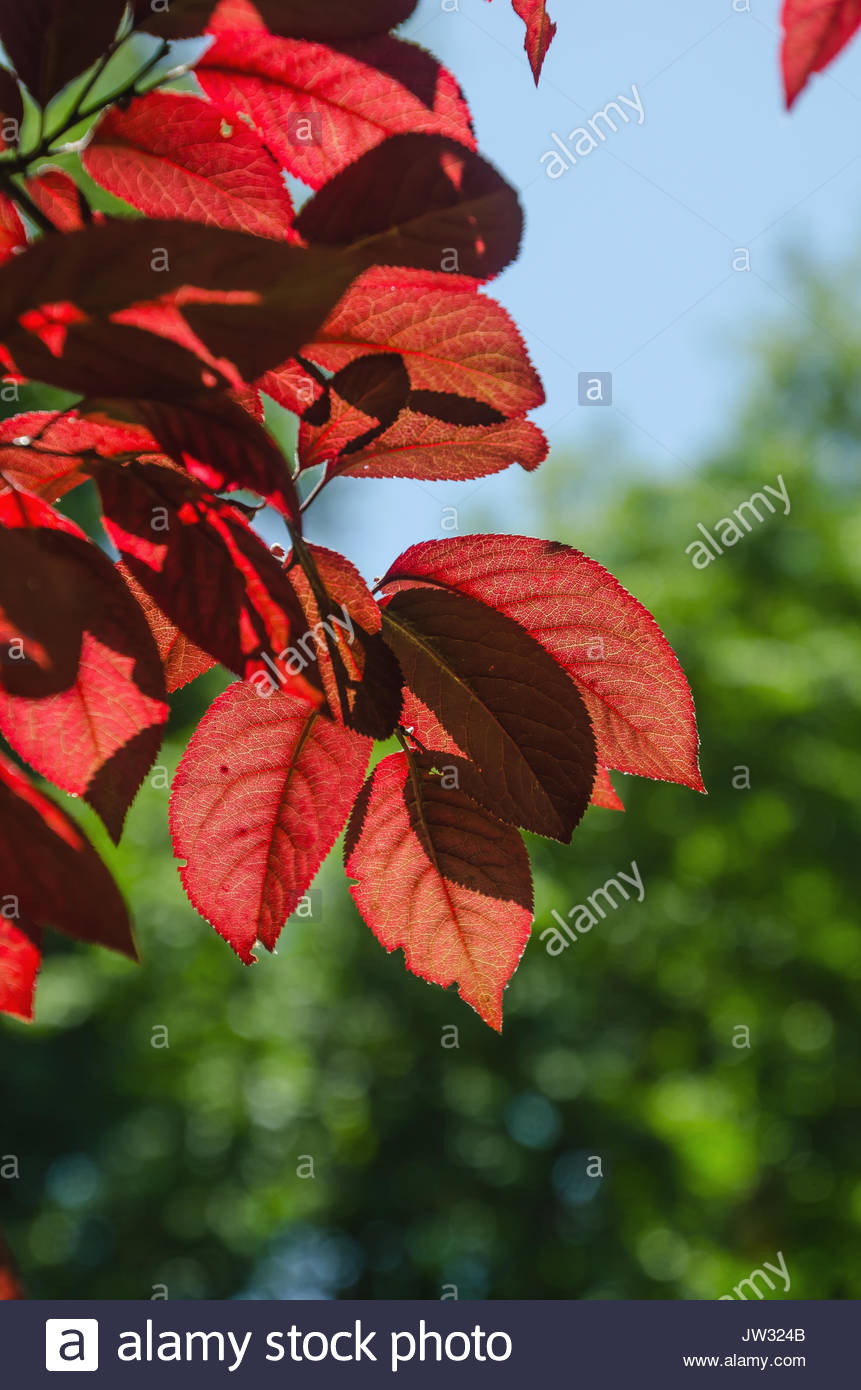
352 1344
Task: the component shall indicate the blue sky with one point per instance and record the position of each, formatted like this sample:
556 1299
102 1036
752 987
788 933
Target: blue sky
626 264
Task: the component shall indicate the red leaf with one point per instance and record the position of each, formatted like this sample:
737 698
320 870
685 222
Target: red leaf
97 738
319 108
633 686
174 156
453 340
439 877
182 661
259 798
502 701
540 30
20 958
302 19
48 452
12 234
57 195
200 562
814 32
466 366
50 867
604 793
49 43
419 446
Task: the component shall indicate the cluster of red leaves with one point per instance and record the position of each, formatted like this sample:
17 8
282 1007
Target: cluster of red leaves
514 673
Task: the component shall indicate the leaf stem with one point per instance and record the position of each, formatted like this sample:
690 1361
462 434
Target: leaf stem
323 602
315 492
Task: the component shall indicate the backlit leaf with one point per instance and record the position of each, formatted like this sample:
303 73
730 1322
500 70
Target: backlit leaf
175 156
261 794
182 660
540 30
57 195
50 867
49 452
814 32
98 737
20 958
452 340
604 793
12 234
630 679
420 446
437 876
319 108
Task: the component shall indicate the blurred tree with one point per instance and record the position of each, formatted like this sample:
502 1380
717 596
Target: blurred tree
324 1125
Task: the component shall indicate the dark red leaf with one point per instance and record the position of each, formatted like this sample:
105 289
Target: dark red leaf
41 615
423 201
200 562
98 737
175 156
251 285
814 32
319 108
501 700
11 105
50 867
49 41
324 20
259 798
224 447
441 878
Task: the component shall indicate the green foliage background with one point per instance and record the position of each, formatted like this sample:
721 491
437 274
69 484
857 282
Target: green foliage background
143 1166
